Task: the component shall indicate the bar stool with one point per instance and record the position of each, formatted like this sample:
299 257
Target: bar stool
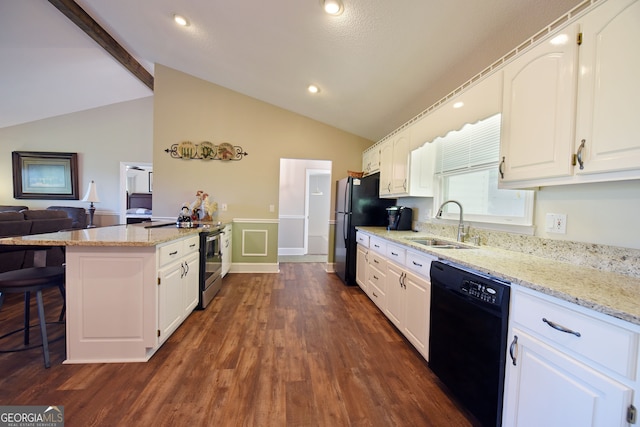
34 279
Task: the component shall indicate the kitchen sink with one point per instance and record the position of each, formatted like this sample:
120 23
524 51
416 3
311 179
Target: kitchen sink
440 244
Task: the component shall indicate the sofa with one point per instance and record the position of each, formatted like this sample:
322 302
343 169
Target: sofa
25 222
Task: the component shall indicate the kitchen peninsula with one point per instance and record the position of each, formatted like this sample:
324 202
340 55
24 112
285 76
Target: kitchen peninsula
127 288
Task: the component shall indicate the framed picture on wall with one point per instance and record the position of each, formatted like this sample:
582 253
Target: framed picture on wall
43 175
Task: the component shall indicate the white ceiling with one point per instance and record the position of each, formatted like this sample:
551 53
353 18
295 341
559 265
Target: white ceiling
378 64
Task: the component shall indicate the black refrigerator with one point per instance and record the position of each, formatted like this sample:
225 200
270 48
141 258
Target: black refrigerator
357 204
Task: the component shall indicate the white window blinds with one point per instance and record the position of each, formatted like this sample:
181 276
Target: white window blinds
474 145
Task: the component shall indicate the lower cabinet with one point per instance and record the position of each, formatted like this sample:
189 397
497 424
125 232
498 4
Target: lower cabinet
567 367
362 266
377 280
177 284
226 249
398 283
408 302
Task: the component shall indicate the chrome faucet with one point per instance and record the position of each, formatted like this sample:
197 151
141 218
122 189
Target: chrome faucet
461 231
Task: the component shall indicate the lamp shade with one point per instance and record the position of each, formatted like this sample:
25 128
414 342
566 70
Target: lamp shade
92 194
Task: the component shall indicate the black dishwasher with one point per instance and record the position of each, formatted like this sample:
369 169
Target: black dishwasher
468 337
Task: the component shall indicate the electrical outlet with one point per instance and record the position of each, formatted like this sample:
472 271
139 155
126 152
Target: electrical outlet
556 223
272 208
224 207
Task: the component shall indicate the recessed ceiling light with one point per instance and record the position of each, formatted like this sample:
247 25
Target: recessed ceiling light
333 7
181 20
313 89
458 104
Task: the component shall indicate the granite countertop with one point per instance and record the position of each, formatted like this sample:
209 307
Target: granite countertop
117 235
613 294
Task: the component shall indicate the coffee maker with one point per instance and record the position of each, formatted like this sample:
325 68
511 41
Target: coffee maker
400 218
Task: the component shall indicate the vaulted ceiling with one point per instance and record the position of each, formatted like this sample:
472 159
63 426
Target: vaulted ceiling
377 64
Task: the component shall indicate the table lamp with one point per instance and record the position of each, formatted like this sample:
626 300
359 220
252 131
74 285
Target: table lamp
91 196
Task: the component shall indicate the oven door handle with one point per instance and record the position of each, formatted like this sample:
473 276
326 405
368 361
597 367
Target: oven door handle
214 237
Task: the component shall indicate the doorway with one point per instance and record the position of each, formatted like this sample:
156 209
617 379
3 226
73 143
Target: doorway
135 177
304 205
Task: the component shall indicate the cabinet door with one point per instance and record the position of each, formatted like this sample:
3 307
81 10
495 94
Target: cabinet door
386 168
609 88
548 388
395 295
539 110
417 293
226 250
170 299
190 283
400 172
362 267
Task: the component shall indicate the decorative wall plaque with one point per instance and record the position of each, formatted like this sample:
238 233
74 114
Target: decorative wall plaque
206 151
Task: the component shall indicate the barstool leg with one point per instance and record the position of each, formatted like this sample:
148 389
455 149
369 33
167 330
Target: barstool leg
27 316
43 329
64 303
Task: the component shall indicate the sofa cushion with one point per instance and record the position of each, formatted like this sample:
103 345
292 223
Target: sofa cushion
43 214
78 215
9 208
11 216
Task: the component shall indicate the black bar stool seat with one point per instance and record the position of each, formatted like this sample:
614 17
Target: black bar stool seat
34 279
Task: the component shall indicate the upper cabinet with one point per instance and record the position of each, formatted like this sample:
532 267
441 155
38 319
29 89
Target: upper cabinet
608 88
371 160
538 110
568 110
405 172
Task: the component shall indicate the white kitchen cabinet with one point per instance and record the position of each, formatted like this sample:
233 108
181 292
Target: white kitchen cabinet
400 162
567 365
178 277
362 267
405 172
377 283
371 160
568 106
538 116
609 88
226 248
408 302
399 284
386 168
124 301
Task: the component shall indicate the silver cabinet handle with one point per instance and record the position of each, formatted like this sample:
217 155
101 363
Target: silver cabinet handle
561 328
513 349
579 154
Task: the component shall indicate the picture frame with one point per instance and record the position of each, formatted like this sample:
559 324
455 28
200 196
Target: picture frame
45 175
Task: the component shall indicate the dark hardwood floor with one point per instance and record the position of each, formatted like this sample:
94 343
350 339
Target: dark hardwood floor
296 348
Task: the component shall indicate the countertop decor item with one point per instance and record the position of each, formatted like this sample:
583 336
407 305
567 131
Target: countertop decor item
92 197
206 151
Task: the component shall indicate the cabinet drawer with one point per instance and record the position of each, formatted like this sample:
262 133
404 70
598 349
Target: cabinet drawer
378 279
170 252
419 263
362 239
377 261
604 343
378 245
396 253
191 244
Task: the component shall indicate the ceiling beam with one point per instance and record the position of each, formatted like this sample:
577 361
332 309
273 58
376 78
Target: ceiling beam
78 16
